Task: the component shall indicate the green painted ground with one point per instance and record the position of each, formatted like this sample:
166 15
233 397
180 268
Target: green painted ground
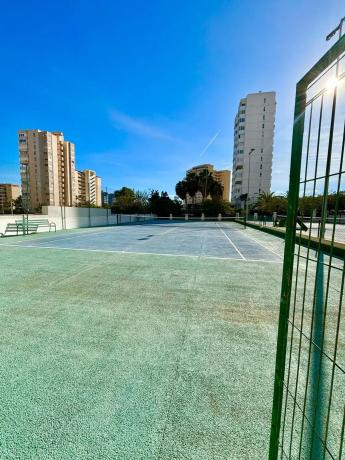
125 356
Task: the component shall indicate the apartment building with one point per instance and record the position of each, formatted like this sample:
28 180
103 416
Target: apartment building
88 187
253 146
8 194
48 171
47 168
222 176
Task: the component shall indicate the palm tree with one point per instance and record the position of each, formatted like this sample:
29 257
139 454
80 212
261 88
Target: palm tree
266 203
192 181
206 182
216 189
181 189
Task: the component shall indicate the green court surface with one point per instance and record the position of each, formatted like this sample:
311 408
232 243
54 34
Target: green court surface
117 354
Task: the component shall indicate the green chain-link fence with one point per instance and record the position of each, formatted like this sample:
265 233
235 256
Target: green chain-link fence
309 391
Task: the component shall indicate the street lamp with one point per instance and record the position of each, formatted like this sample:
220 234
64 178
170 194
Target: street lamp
247 199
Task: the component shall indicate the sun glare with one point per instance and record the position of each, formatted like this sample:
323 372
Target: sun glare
331 84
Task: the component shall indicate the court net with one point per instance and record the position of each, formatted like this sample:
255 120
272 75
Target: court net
212 223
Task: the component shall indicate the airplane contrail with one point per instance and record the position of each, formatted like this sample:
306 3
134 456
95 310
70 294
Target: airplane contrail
211 142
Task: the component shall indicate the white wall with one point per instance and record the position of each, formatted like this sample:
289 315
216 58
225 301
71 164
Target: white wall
70 217
10 219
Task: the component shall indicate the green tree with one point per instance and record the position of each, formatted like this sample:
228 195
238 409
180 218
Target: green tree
205 183
124 200
18 205
216 189
266 203
141 201
193 185
213 207
162 205
181 189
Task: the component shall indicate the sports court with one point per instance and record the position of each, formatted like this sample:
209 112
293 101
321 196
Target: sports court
223 239
148 341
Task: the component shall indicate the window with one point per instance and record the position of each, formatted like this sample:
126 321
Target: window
264 100
263 125
262 150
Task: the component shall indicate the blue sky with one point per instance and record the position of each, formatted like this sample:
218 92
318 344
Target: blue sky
142 87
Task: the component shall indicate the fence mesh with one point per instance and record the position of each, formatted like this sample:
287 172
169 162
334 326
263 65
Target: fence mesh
308 411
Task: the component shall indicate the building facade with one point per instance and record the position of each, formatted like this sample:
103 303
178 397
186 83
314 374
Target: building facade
88 187
48 170
8 194
222 176
107 198
253 147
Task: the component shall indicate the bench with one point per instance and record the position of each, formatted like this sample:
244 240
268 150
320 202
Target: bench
39 223
17 228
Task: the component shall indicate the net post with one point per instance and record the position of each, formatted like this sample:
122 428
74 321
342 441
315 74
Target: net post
170 216
219 217
186 217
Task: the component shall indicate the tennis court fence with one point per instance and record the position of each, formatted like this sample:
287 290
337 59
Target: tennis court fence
71 217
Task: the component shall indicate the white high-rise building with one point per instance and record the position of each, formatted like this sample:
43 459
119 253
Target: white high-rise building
253 147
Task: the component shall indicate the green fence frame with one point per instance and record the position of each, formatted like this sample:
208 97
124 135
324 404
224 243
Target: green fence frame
318 445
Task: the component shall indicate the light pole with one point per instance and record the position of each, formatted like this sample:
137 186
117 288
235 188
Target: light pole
247 199
26 166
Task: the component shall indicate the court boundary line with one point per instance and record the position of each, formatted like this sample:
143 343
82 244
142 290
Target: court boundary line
43 235
265 247
235 247
105 251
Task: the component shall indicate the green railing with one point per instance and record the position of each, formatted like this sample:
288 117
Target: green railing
309 389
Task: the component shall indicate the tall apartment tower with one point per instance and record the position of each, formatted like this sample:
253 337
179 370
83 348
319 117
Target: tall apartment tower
88 187
47 168
253 146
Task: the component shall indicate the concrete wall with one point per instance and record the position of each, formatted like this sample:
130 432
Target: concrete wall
8 219
71 217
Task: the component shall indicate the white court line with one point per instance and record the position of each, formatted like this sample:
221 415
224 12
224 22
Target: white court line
260 244
226 236
83 233
104 251
44 236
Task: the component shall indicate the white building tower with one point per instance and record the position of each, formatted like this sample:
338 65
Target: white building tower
253 147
